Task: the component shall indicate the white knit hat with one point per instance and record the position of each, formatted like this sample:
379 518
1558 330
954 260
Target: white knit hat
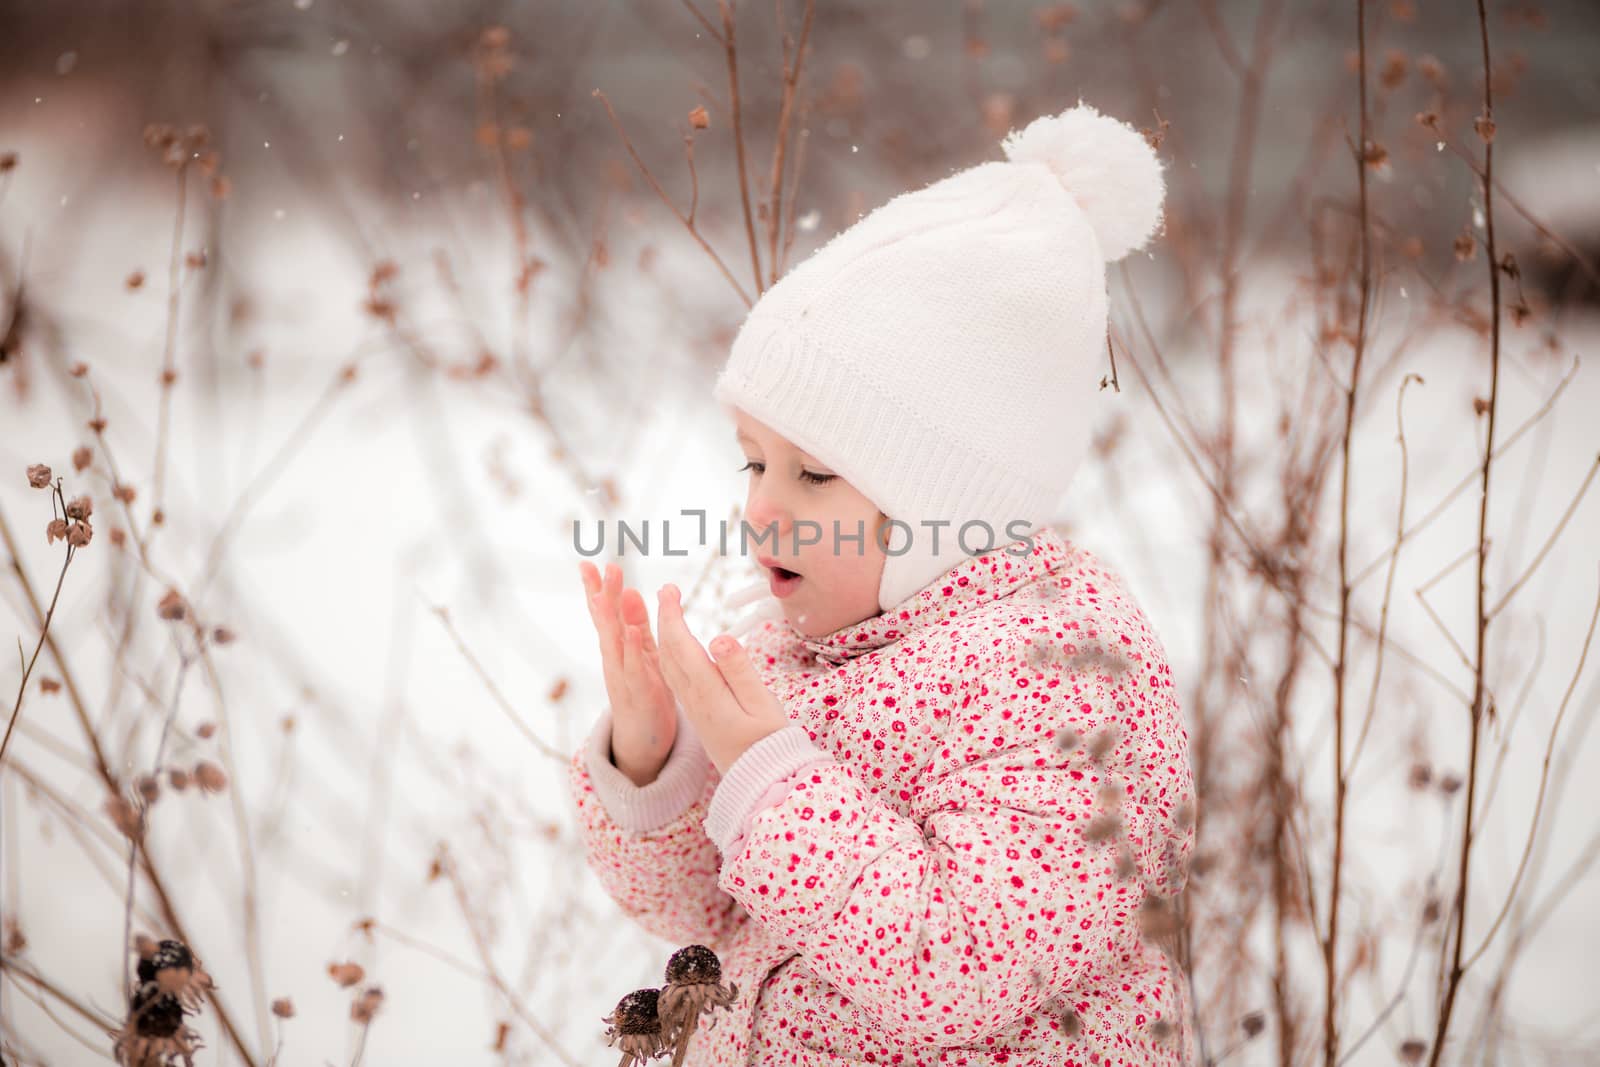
944 354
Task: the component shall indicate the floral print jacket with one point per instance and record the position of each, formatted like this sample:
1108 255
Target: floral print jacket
965 848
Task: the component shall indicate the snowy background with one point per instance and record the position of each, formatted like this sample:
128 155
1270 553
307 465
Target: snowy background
334 479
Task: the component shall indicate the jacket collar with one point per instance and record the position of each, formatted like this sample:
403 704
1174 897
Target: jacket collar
970 584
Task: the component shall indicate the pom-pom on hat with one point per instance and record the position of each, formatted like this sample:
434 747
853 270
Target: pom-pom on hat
943 355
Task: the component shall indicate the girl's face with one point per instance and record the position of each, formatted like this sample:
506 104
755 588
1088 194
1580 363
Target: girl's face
838 579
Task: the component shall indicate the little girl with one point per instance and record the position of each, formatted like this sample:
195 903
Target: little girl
936 806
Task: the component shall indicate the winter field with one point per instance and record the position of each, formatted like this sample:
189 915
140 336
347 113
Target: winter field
371 364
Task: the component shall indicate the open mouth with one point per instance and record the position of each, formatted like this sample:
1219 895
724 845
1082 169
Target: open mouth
783 580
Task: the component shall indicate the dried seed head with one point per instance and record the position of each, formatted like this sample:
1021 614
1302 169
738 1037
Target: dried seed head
49 685
8 162
1421 775
1430 911
171 606
80 508
694 965
179 778
283 1008
82 456
1465 246
222 635
699 119
209 777
1448 784
39 476
1412 1050
206 729
1067 739
346 974
364 1007
149 788
156 1014
636 1013
1071 1025
1253 1023
1484 125
1109 796
79 534
125 817
1160 1030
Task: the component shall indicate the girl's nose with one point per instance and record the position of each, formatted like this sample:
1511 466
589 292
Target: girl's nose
762 511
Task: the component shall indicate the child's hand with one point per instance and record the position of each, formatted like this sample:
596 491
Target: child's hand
644 718
725 699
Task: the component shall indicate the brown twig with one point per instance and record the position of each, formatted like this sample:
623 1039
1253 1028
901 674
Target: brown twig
1453 979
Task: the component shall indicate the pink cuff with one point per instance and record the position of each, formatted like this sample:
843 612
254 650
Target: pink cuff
761 776
644 808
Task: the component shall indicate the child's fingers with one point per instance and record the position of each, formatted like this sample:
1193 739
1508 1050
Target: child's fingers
634 610
740 673
613 588
590 576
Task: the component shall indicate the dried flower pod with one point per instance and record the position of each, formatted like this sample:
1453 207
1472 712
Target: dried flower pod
154 1032
283 1008
636 1027
56 530
1253 1023
79 534
171 607
346 974
39 476
175 972
364 1007
125 817
179 778
149 788
209 777
694 985
699 119
83 455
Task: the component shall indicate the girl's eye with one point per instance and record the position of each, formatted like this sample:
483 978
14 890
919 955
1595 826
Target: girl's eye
810 476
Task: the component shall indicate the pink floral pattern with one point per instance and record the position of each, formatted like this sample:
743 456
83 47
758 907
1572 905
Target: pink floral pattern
965 879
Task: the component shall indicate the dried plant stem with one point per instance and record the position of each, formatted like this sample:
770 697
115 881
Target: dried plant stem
1388 585
169 349
27 671
1330 943
447 867
665 199
731 51
112 784
791 80
511 713
1466 480
1538 804
691 1019
1453 978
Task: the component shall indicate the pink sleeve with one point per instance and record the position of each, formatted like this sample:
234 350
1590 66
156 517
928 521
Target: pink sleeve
647 845
759 778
